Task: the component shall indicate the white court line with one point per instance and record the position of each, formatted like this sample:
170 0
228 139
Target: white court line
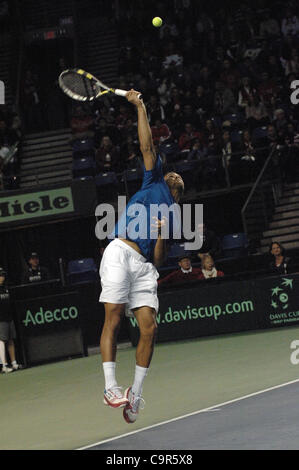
219 405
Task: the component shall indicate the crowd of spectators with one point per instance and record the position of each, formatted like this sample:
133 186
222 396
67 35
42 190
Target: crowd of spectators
217 89
10 138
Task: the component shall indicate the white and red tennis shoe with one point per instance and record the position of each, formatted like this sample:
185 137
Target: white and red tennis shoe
115 398
130 412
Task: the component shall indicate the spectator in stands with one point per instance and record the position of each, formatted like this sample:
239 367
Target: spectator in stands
267 88
208 269
186 272
256 113
155 110
280 263
160 131
7 327
34 272
246 92
82 124
123 116
210 244
280 120
228 149
290 24
9 143
4 11
244 162
224 100
1 173
188 137
107 156
269 26
173 60
31 103
212 135
202 102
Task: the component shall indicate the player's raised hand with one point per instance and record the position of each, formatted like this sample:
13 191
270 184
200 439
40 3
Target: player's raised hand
134 97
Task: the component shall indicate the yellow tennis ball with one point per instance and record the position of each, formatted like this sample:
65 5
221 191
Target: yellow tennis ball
157 21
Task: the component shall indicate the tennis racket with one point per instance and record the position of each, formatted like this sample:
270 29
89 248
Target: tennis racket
83 86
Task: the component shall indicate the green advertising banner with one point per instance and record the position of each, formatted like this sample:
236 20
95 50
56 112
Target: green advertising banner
51 202
219 306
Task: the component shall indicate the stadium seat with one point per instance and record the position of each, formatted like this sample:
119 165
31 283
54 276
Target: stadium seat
186 168
235 245
169 150
175 250
132 180
259 133
84 178
236 136
81 271
83 148
84 167
107 185
235 119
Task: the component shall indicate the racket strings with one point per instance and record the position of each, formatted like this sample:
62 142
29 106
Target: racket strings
80 86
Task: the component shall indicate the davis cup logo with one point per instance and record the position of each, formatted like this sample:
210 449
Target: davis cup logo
280 295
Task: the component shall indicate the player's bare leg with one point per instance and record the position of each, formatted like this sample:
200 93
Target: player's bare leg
113 395
146 318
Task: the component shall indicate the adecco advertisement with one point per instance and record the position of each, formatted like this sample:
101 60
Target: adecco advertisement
46 314
49 327
225 307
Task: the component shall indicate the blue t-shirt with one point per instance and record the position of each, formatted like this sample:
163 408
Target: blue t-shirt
135 223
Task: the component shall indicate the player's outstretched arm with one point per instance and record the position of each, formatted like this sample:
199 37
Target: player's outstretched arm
144 131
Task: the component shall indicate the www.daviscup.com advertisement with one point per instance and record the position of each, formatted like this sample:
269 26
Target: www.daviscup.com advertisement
225 307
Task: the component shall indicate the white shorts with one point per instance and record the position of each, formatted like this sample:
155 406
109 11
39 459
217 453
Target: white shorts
127 278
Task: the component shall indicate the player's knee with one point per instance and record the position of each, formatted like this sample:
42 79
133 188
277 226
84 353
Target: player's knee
113 316
149 331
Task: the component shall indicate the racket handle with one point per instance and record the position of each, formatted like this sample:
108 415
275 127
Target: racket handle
120 92
124 92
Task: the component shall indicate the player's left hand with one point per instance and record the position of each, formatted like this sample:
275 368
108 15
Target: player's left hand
158 224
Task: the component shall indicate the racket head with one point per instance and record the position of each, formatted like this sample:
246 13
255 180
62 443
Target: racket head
80 85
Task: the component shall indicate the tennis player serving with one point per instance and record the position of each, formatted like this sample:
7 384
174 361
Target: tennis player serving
128 271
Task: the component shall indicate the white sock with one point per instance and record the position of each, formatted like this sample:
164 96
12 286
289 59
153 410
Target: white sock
109 372
140 374
2 353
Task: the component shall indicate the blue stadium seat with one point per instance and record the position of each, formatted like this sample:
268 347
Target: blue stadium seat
84 167
132 180
236 136
186 168
170 150
259 133
132 175
217 121
107 186
234 118
81 271
175 250
84 178
235 245
102 179
83 148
